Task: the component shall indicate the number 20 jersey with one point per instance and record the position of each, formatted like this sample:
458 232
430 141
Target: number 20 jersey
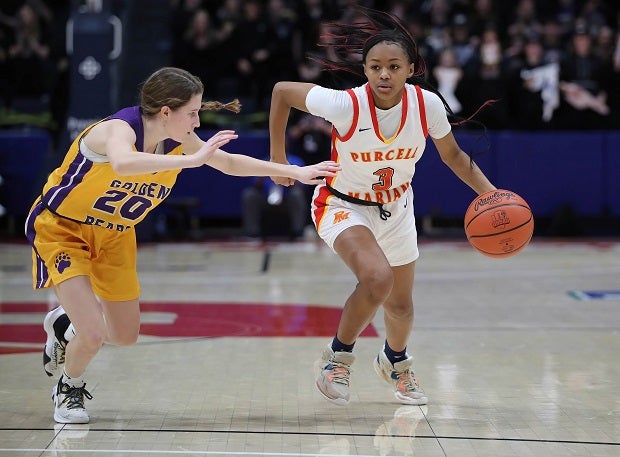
89 191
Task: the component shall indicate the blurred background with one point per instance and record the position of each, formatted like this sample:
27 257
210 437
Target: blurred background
553 136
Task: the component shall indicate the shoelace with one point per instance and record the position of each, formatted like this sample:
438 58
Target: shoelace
340 373
407 381
74 396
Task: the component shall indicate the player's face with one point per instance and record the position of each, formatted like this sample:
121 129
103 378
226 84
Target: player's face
182 121
387 69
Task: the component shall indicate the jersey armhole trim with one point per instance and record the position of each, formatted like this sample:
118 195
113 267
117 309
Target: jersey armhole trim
422 110
356 113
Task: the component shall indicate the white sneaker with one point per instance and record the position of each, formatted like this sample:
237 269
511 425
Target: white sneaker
55 324
69 403
333 371
401 378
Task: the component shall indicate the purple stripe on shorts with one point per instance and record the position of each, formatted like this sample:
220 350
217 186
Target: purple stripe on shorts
42 273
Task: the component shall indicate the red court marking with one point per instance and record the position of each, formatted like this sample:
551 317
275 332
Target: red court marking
208 320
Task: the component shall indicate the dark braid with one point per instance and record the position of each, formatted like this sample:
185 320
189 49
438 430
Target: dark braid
354 40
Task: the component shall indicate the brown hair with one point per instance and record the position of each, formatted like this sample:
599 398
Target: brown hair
174 87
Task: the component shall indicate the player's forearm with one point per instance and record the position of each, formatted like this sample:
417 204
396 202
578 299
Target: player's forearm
136 163
242 165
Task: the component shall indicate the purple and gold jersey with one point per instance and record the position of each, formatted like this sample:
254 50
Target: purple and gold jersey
87 190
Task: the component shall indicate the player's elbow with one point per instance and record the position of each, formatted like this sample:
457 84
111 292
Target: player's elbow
121 167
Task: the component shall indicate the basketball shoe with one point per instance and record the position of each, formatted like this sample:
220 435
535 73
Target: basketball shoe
401 378
69 403
333 371
56 325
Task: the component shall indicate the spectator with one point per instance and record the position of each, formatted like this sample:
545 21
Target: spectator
200 49
534 92
553 41
447 76
482 16
252 49
486 80
614 87
525 22
464 45
583 85
181 15
28 52
286 46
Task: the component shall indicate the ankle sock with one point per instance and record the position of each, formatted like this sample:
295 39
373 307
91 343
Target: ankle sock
73 382
394 356
339 346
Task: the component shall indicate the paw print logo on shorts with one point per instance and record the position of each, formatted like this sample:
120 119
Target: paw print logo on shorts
62 262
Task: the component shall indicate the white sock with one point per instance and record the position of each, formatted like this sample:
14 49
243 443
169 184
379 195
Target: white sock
73 382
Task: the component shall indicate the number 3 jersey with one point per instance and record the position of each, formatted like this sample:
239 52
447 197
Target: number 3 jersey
85 188
377 149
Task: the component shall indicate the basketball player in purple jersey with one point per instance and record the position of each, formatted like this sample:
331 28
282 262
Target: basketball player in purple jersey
81 228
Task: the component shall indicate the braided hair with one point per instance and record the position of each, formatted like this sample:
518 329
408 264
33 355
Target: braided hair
351 43
174 87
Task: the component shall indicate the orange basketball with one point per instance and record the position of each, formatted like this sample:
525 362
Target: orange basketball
499 223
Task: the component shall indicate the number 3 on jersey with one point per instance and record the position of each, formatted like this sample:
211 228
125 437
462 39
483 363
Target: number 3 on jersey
385 179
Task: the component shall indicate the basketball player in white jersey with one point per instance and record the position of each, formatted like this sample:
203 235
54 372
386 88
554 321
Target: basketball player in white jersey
365 213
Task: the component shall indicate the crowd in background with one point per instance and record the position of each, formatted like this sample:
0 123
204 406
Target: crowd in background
551 64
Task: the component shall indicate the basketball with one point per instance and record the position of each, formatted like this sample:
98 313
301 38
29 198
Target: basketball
499 223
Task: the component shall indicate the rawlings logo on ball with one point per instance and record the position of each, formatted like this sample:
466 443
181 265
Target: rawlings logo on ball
493 198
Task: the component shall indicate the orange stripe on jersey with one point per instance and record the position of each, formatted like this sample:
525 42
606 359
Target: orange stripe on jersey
320 203
422 109
334 154
375 122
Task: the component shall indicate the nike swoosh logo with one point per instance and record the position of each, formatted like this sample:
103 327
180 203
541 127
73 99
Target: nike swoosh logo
363 130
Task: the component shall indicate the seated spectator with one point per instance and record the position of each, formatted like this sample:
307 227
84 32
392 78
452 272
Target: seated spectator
28 56
265 194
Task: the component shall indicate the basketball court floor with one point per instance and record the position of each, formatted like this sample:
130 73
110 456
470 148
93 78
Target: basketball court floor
519 357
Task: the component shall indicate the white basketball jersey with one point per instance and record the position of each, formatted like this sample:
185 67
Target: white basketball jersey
374 167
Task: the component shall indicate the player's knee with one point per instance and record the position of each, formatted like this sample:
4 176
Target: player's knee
92 339
128 337
378 284
401 310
